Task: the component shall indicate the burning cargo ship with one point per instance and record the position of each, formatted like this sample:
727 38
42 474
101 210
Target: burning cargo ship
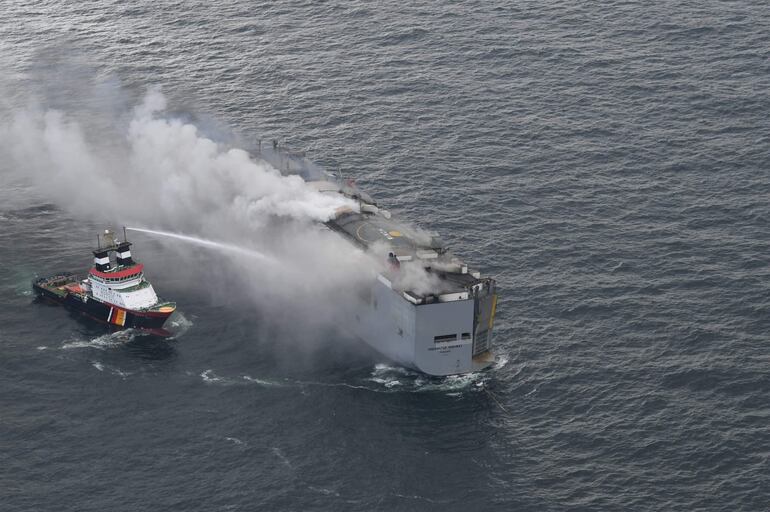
440 330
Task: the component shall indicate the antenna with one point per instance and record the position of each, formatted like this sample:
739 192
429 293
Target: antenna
98 243
125 238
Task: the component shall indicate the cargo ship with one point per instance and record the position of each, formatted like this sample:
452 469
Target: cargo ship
114 292
443 326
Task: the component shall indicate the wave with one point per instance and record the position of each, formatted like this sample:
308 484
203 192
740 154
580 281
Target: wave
102 342
209 377
263 382
399 379
383 378
178 325
110 369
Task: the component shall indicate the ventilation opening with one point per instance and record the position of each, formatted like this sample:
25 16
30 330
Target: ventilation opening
444 338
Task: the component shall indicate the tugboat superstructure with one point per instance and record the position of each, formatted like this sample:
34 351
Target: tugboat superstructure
115 290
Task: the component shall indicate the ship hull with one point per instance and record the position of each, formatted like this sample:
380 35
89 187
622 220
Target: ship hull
104 312
437 339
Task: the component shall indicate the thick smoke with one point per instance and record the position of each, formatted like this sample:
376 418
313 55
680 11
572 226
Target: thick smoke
164 171
155 171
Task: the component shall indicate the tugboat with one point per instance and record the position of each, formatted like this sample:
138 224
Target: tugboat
114 292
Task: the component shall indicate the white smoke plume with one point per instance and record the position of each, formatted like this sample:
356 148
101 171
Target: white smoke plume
155 171
164 172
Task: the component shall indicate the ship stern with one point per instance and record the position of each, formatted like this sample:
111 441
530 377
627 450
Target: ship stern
455 336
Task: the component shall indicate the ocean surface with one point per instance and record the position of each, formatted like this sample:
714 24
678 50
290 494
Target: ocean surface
607 162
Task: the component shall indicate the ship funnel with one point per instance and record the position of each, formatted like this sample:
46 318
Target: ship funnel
102 260
123 254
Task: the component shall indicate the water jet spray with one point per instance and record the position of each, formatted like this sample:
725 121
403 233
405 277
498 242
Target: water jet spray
221 246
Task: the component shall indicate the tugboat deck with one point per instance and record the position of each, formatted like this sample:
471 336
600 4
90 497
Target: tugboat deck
57 283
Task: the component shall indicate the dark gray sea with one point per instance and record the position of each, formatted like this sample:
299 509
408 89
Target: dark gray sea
608 162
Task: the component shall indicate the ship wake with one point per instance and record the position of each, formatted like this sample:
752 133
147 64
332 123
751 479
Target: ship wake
103 342
396 378
382 379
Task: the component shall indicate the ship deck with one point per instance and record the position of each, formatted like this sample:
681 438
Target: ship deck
373 228
57 283
368 230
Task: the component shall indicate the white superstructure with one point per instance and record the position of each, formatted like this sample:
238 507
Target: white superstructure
134 293
120 282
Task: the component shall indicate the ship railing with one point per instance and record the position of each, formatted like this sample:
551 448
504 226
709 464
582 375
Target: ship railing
159 305
143 284
290 160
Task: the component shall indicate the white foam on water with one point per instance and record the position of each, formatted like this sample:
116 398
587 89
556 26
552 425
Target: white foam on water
22 287
399 379
388 383
81 344
263 382
336 385
120 372
390 376
111 369
455 382
42 347
500 361
209 377
386 379
178 324
104 341
384 368
235 440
